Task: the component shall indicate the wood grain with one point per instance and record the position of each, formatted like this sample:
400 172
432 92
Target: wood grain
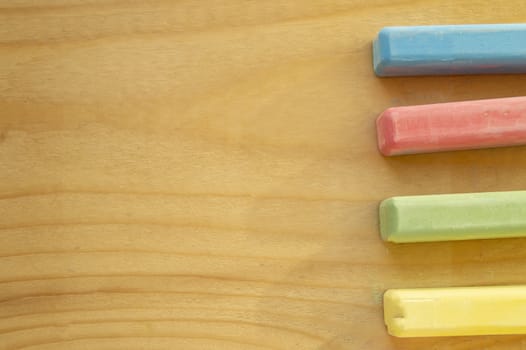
204 175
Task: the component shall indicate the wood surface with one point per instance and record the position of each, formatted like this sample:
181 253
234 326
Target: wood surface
204 175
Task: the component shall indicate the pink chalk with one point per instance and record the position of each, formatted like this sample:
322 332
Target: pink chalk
452 126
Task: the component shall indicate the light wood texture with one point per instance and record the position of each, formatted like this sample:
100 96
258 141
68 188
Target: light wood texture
204 175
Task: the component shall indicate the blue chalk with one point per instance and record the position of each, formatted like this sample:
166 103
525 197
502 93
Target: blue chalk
450 49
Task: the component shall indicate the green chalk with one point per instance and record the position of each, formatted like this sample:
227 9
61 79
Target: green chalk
453 217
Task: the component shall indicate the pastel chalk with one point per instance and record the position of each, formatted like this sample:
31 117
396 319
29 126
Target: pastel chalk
464 311
450 49
452 126
453 217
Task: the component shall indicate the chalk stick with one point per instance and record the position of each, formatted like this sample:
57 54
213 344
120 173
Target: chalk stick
453 217
450 49
429 312
452 126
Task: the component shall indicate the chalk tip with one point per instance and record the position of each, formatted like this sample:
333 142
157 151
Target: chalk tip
385 132
381 53
388 218
394 314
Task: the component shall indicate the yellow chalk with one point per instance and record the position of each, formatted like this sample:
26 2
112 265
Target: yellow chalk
428 312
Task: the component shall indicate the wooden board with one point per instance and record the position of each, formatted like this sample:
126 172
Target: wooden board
204 175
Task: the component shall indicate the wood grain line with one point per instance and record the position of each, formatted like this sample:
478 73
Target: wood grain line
317 260
153 308
160 292
192 320
117 337
186 194
204 277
